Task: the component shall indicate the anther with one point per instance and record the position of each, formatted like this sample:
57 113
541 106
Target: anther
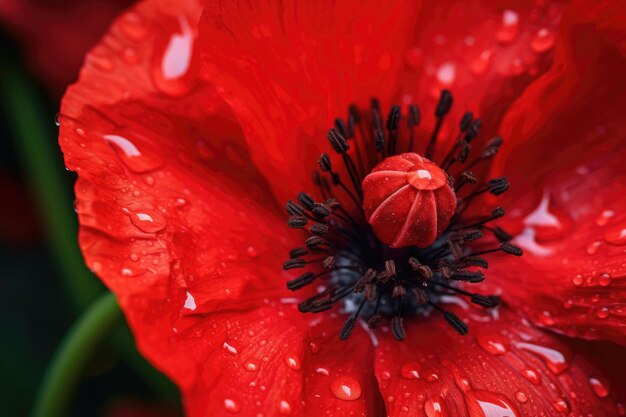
324 162
297 222
472 261
492 147
497 186
374 320
464 150
321 211
338 141
306 200
393 119
293 264
329 262
319 229
466 121
497 213
421 296
414 116
340 125
295 209
455 249
481 300
511 249
465 275
390 268
398 291
366 279
347 328
466 177
501 234
456 323
313 242
297 252
444 104
370 292
302 281
397 328
424 270
379 138
472 131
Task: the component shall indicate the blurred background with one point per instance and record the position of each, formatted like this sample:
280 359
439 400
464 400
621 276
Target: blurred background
45 285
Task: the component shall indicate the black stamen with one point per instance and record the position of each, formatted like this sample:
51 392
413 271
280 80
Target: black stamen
397 328
443 107
297 222
456 323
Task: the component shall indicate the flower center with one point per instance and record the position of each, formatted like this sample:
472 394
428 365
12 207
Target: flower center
393 241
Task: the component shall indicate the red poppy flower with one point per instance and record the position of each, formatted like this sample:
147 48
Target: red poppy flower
192 124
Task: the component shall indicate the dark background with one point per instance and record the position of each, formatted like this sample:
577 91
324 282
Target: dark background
38 249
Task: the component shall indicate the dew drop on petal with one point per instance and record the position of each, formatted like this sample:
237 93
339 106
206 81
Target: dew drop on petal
555 359
604 280
542 41
148 221
616 236
345 388
600 386
231 406
230 349
130 155
532 375
284 407
561 406
252 252
490 404
436 407
509 27
293 363
251 365
322 371
494 344
521 396
410 370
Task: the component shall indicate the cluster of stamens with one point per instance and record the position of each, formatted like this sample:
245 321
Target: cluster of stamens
347 263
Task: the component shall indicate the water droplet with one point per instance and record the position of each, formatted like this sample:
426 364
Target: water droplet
230 349
446 73
561 406
509 27
493 343
577 280
385 375
436 407
284 407
542 41
130 155
252 252
231 406
190 302
592 248
480 65
322 371
600 386
602 313
410 370
314 347
521 397
132 25
173 74
251 365
532 375
491 404
604 280
557 360
293 363
345 388
604 217
616 236
149 221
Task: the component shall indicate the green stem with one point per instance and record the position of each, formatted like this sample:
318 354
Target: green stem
70 358
40 156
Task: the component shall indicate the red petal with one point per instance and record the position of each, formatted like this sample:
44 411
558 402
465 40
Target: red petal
271 360
486 64
504 367
289 70
566 167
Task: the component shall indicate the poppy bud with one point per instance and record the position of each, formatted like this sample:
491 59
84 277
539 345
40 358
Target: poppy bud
408 201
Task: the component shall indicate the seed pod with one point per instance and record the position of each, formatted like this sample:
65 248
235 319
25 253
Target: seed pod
408 201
